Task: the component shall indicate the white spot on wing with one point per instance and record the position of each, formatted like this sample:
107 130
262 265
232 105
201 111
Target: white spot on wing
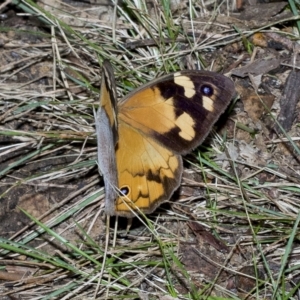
186 83
208 103
185 122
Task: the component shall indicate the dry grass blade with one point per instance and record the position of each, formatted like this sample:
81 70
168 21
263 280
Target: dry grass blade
242 189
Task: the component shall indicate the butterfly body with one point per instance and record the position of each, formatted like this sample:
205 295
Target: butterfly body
145 134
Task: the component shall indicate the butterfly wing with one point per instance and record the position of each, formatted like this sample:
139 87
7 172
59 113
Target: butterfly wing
148 173
178 110
107 136
158 123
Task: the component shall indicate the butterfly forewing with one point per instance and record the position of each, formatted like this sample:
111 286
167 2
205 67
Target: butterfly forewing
178 110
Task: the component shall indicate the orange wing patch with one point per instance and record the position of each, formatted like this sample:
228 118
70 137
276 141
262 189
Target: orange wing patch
148 173
148 111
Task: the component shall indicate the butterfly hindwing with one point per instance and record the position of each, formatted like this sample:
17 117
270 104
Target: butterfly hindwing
148 172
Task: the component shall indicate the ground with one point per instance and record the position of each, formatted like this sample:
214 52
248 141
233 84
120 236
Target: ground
229 231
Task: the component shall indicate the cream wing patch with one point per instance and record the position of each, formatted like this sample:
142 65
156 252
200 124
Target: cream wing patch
208 103
186 124
186 83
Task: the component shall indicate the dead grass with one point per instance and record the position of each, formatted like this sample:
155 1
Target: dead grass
245 198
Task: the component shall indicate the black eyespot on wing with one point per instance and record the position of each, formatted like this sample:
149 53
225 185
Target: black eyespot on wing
124 191
207 90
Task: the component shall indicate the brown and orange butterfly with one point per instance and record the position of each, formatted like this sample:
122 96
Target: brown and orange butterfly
141 138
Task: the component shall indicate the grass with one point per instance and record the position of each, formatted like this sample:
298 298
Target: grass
245 201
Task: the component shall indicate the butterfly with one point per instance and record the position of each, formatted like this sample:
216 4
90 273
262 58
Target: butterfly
141 138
